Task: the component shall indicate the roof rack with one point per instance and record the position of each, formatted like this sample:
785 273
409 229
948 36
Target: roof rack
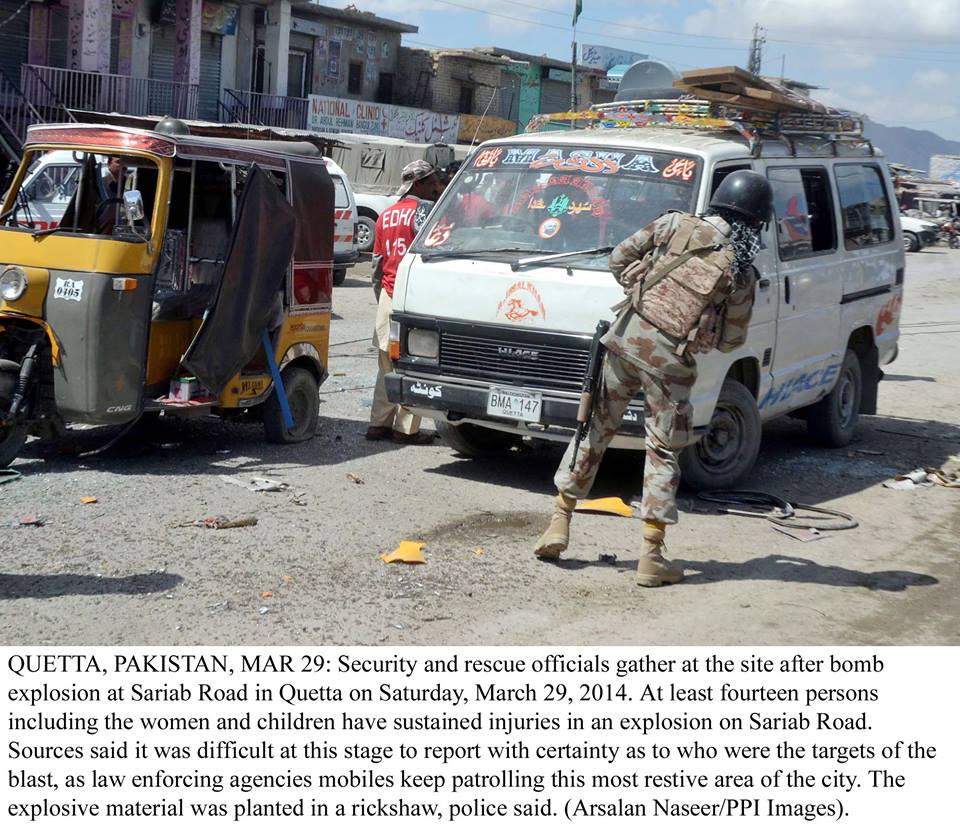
700 114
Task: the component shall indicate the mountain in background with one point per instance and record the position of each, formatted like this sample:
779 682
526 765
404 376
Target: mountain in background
912 147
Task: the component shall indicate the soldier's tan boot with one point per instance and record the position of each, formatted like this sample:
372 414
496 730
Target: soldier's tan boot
553 542
654 569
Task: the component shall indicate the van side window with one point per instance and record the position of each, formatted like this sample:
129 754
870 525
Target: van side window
804 211
865 206
722 172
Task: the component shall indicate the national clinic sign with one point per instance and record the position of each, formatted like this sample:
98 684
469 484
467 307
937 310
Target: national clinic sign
418 125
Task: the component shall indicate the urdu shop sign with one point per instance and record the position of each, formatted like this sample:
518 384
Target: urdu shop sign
342 115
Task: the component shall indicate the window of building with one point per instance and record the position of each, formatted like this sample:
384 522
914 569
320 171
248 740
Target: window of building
804 211
355 79
385 88
465 105
261 77
864 205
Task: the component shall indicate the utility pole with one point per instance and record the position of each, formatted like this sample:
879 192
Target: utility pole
756 49
573 72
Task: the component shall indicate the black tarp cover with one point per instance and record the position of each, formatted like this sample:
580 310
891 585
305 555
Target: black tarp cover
254 274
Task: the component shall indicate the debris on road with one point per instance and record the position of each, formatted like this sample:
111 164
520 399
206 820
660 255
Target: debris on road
9 475
804 535
355 479
266 595
407 552
88 500
606 505
300 498
259 485
263 610
31 521
947 475
478 552
608 558
221 522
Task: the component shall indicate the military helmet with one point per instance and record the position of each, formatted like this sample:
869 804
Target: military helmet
172 126
746 193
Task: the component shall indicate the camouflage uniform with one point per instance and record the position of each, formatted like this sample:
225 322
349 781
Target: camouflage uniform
640 356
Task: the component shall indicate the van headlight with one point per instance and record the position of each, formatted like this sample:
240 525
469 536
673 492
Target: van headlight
13 284
423 343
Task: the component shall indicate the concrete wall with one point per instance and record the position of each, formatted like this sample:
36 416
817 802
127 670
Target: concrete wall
377 51
411 63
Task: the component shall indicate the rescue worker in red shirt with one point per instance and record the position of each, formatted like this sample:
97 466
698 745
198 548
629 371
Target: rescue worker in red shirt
396 228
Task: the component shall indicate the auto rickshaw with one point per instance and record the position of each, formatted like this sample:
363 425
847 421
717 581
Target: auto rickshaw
188 275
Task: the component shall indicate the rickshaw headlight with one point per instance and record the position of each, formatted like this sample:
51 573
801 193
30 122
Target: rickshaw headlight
13 284
423 343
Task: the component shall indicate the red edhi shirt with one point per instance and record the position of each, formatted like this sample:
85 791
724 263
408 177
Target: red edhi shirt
396 228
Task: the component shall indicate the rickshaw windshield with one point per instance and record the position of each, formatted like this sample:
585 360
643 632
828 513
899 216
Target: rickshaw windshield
77 192
549 199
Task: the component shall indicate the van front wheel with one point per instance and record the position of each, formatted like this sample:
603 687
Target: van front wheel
303 394
12 440
474 441
832 421
727 451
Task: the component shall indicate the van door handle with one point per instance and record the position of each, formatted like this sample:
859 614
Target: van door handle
764 284
786 289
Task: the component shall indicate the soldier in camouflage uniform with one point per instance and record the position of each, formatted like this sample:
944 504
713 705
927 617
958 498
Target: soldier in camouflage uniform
650 346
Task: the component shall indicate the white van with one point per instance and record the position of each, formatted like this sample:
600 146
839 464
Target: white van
48 189
479 327
345 252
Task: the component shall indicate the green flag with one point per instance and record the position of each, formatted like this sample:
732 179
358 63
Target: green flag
577 9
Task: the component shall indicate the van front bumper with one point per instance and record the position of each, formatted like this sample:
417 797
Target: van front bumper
446 398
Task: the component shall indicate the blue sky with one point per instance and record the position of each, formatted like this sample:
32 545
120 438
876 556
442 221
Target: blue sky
896 60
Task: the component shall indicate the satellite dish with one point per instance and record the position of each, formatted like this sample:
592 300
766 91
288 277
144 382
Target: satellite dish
648 79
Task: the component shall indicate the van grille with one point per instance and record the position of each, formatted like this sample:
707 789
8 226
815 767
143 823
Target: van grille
506 360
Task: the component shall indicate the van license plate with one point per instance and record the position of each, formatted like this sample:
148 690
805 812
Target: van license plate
512 404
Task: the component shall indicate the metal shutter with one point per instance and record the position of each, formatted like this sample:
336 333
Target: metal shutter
13 39
210 45
554 96
162 51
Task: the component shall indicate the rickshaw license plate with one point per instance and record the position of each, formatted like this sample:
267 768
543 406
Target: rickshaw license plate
512 404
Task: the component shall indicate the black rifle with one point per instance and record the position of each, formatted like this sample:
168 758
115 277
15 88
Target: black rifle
591 383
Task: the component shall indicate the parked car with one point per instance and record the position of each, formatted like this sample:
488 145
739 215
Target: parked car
374 165
918 233
491 328
345 252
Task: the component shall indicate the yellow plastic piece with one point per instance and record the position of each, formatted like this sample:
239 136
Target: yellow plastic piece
606 505
407 552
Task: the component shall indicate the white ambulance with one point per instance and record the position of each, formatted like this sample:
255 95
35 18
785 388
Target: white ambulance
491 325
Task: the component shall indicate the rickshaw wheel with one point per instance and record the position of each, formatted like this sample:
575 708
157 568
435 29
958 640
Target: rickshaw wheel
12 440
303 394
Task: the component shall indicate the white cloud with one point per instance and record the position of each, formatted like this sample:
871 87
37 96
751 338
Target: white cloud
867 25
501 15
888 107
933 79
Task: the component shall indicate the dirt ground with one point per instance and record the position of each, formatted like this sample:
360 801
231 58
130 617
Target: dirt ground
120 571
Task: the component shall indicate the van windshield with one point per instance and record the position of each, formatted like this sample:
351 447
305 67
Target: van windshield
81 192
550 199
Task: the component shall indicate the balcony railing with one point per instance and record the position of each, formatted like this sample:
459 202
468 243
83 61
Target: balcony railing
16 114
50 87
240 106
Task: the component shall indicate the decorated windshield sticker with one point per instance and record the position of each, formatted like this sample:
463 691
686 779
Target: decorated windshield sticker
682 168
522 302
488 159
640 163
549 228
518 155
439 234
580 160
559 205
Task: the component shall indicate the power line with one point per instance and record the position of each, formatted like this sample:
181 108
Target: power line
699 47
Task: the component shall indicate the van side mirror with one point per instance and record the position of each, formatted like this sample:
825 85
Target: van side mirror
133 206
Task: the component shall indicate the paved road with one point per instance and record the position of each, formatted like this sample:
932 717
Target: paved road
120 571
